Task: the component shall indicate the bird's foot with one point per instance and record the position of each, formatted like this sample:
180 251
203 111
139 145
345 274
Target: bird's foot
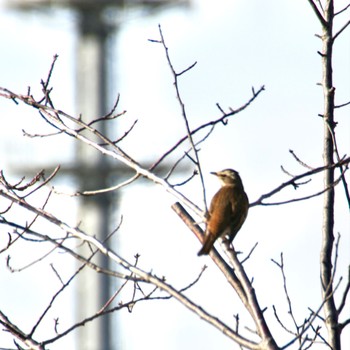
229 246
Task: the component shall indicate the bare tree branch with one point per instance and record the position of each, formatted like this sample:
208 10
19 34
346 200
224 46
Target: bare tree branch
345 294
342 105
318 13
341 30
221 120
289 302
237 278
342 10
292 182
183 112
19 334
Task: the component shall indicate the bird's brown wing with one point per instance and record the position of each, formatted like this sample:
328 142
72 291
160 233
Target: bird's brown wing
220 212
239 207
227 213
218 221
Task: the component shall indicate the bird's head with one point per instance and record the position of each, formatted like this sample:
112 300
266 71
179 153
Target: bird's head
228 177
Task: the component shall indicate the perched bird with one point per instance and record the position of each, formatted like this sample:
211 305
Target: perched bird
228 209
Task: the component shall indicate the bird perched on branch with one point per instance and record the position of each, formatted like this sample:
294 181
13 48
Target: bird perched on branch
228 209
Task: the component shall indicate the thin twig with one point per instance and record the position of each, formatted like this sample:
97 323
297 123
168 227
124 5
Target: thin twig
280 321
291 182
286 292
341 30
19 334
54 297
345 294
183 112
45 84
342 105
299 160
250 253
342 10
211 124
108 189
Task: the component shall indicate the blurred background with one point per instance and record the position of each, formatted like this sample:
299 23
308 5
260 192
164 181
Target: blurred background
104 50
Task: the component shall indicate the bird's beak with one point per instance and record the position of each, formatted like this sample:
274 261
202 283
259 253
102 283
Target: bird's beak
214 173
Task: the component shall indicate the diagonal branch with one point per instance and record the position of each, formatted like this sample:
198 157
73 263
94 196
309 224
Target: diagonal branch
292 181
286 293
318 13
212 124
19 334
218 260
341 30
252 305
237 278
345 293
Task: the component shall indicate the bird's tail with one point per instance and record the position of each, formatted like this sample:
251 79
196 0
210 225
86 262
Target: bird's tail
207 245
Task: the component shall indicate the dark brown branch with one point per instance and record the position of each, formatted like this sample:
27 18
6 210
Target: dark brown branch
318 13
45 182
288 201
212 124
45 85
194 174
110 115
286 293
292 182
19 334
299 160
344 324
345 294
342 105
280 321
54 297
186 69
342 10
317 334
16 186
126 133
249 254
341 30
